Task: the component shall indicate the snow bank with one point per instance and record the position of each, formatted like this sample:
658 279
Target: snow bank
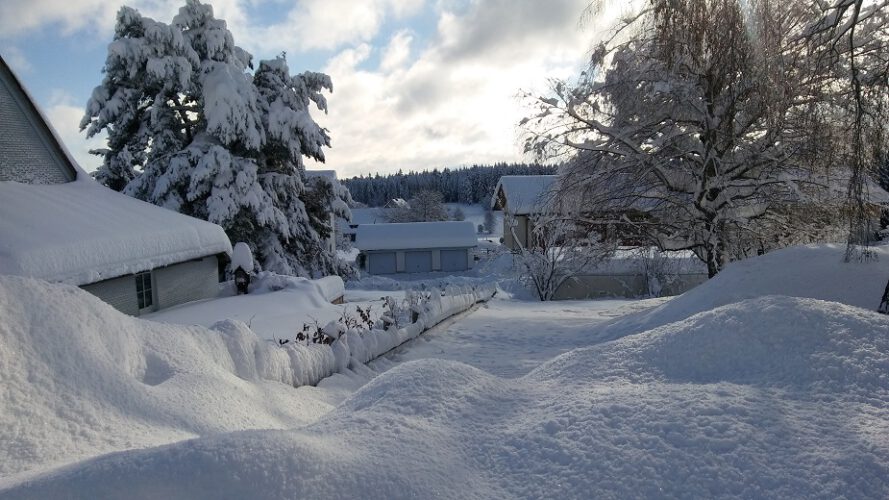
80 378
81 232
242 257
771 397
276 307
331 287
813 271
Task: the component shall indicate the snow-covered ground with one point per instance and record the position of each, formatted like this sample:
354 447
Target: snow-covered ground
276 313
768 381
509 338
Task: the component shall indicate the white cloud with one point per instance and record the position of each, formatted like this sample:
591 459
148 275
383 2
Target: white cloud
440 99
16 59
18 17
397 52
325 24
456 102
65 119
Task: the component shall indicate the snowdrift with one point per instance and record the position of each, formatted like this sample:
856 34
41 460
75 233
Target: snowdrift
80 378
769 397
813 271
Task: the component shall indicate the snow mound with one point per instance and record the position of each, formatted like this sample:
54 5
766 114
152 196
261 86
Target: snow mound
242 257
80 378
772 341
812 271
770 397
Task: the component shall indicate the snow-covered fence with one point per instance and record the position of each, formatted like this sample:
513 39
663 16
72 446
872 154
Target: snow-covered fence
306 364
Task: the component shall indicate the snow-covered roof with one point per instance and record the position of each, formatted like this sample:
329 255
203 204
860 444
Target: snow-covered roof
375 215
522 194
409 235
81 232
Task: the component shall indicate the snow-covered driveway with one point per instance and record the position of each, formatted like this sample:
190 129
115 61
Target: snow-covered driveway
509 338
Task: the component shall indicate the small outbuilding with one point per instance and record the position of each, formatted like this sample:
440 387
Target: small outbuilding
417 247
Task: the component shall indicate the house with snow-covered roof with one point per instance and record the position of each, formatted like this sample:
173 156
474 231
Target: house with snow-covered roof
416 247
521 197
59 225
367 215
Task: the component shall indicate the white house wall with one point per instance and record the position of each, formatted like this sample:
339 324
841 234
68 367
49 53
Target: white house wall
185 282
120 293
171 285
400 259
623 285
521 230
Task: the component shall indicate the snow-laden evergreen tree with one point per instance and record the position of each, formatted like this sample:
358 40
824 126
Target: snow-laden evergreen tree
327 200
190 129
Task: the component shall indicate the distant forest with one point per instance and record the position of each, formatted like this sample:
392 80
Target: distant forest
469 185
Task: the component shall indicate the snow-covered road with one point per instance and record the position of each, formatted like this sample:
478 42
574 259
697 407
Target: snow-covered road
509 338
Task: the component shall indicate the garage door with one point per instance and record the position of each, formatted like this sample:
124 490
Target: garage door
454 260
381 263
417 262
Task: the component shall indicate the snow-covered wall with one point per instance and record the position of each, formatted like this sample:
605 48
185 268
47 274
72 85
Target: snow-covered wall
306 364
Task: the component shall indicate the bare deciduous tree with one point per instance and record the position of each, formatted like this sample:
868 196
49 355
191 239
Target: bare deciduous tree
556 252
707 117
425 206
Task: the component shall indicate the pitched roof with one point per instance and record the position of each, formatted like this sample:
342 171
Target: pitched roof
81 232
419 235
523 194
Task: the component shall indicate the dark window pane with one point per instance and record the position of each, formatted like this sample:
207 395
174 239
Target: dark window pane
143 290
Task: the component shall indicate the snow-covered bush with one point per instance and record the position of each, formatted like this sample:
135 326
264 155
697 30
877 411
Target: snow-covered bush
657 269
190 129
357 339
691 119
556 253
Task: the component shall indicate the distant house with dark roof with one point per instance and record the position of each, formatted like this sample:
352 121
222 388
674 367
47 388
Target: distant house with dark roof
59 225
417 247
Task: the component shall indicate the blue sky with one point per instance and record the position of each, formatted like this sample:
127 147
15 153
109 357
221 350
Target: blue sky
417 84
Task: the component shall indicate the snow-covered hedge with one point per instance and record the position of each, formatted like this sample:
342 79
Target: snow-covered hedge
299 363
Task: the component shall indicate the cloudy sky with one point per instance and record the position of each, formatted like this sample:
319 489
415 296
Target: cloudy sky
417 84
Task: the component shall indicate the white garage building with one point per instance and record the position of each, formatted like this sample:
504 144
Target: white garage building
416 247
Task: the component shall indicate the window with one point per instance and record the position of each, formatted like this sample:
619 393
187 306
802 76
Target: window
143 289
